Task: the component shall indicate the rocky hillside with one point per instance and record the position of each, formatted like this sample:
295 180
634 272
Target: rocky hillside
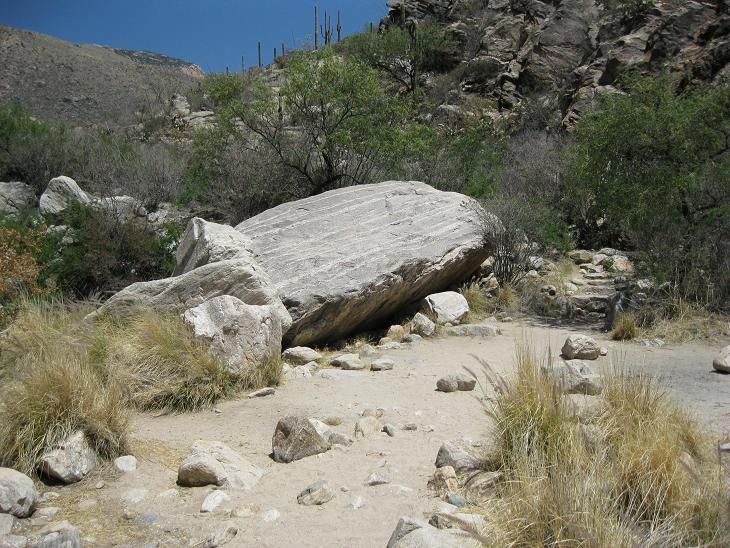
560 53
85 84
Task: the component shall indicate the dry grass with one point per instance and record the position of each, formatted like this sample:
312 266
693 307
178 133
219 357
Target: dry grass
678 320
480 305
638 473
62 374
624 328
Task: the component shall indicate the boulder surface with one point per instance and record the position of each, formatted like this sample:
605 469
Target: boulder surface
15 197
348 259
17 493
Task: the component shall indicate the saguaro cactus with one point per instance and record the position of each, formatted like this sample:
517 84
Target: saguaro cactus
316 28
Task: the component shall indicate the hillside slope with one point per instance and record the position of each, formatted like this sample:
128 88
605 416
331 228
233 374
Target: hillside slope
86 84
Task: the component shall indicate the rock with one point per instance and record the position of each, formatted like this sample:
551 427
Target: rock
56 535
580 347
479 488
126 463
410 427
243 337
47 512
299 437
214 463
383 364
451 520
300 355
422 325
575 377
134 496
368 351
316 494
396 333
224 534
263 392
389 346
7 521
456 500
357 502
471 331
337 374
235 277
298 372
428 536
622 265
444 480
384 340
378 478
16 197
722 361
452 383
367 426
447 307
59 193
347 259
17 493
204 243
412 338
70 460
405 526
458 456
213 501
348 362
581 256
271 515
389 429
13 541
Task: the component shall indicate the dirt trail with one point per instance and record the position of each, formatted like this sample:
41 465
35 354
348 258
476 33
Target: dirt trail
406 394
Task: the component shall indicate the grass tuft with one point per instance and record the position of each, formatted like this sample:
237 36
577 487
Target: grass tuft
624 328
478 301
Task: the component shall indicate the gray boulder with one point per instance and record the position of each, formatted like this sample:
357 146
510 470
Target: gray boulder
447 307
69 461
346 260
722 361
421 325
298 437
243 337
214 463
17 493
59 193
15 197
580 347
204 243
457 455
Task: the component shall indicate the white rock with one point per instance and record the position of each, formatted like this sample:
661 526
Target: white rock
214 463
378 478
127 463
243 337
456 382
722 361
17 493
366 426
59 193
271 515
447 307
16 197
301 355
580 347
357 502
213 501
69 461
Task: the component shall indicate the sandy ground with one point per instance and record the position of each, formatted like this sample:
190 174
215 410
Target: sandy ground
359 516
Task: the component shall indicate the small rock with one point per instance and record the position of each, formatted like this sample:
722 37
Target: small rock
724 447
263 392
410 427
48 496
213 501
580 347
575 377
422 325
458 456
722 361
300 355
447 307
444 480
224 534
367 426
412 338
604 351
100 485
456 500
47 513
383 364
271 515
357 503
316 494
396 333
245 511
389 429
368 351
298 437
127 463
60 534
452 383
69 461
17 493
378 478
348 362
214 463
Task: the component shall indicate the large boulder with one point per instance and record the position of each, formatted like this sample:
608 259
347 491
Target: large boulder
214 463
235 277
722 361
17 493
70 460
204 243
241 336
59 193
15 197
447 307
348 259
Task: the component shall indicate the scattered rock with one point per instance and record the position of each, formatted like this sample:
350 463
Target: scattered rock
447 307
456 500
581 256
410 427
17 493
127 463
454 382
214 463
213 501
301 355
389 429
575 377
378 478
316 494
56 535
580 347
416 534
60 192
348 362
224 534
16 197
471 331
299 437
722 361
70 460
412 338
271 515
263 392
458 456
367 426
243 337
383 364
422 325
444 480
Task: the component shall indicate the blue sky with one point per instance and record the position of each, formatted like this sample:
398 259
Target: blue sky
211 33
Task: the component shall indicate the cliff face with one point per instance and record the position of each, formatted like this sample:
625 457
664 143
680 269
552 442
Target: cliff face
563 52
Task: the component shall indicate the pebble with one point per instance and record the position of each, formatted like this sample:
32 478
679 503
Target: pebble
99 485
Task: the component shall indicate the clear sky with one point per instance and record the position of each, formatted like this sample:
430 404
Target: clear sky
211 33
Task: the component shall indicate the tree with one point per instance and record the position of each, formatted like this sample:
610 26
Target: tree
654 164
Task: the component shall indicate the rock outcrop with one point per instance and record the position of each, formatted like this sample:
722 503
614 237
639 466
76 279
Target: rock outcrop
15 197
59 193
348 259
